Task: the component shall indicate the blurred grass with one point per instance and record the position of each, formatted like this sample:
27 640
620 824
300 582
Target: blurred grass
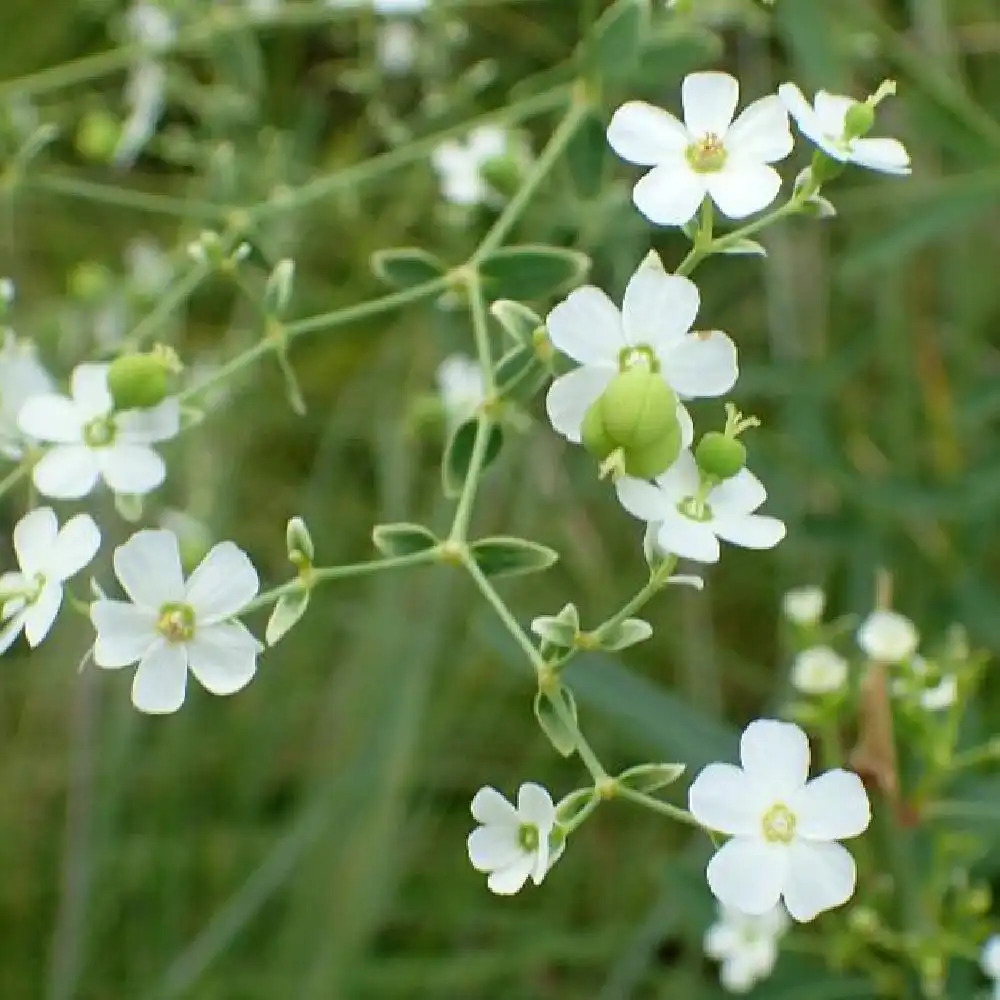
306 839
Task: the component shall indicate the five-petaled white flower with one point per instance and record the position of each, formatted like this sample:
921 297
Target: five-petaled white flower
941 696
171 625
513 844
653 328
709 155
460 384
22 376
804 605
47 556
990 962
819 670
689 521
745 946
459 165
90 440
825 123
888 637
784 828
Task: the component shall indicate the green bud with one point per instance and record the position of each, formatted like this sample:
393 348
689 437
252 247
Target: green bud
299 542
825 168
593 435
647 463
89 281
97 136
719 455
140 381
859 120
503 174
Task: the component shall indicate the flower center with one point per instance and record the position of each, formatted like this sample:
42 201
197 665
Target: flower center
695 509
176 622
527 837
707 155
638 355
779 824
99 433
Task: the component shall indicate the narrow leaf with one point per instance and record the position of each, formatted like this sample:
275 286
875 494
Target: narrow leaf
517 320
560 735
406 267
504 556
402 539
650 777
458 455
532 272
288 610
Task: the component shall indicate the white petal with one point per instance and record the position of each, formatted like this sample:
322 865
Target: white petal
541 864
158 687
490 808
41 614
159 423
149 568
34 536
990 958
722 798
124 632
131 468
687 426
742 494
587 327
507 881
831 112
687 538
223 584
743 187
748 874
223 657
681 480
493 847
833 806
820 877
534 805
761 131
721 939
701 364
641 499
50 417
570 396
75 546
805 117
66 472
658 308
89 387
709 101
775 756
887 155
643 134
670 195
750 531
11 630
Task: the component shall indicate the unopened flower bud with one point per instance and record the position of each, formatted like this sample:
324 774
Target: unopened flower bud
141 381
503 174
97 136
89 281
719 455
299 542
859 120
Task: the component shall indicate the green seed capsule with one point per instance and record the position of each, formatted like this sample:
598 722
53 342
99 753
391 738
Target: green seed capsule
859 120
593 434
138 381
649 462
638 408
720 456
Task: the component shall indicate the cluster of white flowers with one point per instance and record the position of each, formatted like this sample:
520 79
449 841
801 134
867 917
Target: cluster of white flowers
745 946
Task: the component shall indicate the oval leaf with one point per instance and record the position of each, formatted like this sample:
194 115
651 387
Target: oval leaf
560 735
458 455
504 556
289 609
532 272
573 804
586 156
612 52
406 267
650 777
402 539
517 320
628 633
519 374
559 630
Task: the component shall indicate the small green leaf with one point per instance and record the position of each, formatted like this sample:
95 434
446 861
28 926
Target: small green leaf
458 455
573 804
532 272
519 374
518 320
747 248
406 267
402 539
288 610
650 777
559 630
560 735
505 556
586 156
612 52
628 633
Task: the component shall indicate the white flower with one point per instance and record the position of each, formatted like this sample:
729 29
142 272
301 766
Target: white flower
47 556
824 123
396 47
21 377
459 166
145 95
888 637
172 626
460 383
512 844
709 155
151 26
990 962
746 946
655 321
784 828
943 695
819 670
91 441
804 605
149 267
690 525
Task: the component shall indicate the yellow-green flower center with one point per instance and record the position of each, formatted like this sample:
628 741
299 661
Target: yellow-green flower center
527 837
779 824
707 155
636 355
176 622
695 509
99 433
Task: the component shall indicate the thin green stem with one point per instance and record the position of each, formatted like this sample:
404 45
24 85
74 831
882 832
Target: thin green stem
226 371
657 806
654 585
585 751
463 510
480 329
13 478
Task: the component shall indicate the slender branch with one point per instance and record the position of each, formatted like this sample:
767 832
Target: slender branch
657 806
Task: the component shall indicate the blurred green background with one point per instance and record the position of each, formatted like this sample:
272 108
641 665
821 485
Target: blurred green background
305 839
